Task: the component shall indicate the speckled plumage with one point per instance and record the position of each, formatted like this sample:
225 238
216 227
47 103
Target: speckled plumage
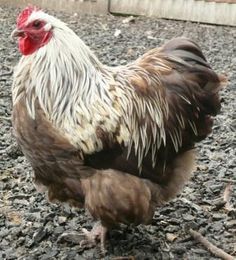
118 141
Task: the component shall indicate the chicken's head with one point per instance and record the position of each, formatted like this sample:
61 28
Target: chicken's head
33 30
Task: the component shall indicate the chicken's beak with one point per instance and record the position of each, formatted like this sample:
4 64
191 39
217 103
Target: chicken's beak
17 33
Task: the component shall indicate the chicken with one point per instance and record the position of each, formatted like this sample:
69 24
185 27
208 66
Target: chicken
118 141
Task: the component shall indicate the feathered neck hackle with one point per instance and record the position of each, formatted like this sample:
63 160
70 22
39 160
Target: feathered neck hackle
62 73
69 83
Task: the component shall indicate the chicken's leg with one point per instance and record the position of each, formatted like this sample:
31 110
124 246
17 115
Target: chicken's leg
87 238
97 233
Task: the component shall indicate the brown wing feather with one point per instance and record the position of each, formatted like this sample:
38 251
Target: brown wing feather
180 74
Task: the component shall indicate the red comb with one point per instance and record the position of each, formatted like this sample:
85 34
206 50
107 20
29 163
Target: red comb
24 15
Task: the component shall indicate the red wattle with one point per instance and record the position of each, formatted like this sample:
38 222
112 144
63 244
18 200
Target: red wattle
28 45
25 46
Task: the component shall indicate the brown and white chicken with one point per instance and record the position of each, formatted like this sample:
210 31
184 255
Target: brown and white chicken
118 141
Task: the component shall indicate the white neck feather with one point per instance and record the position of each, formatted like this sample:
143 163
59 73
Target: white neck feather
68 81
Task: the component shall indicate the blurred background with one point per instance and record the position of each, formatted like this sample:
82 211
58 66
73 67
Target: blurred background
207 11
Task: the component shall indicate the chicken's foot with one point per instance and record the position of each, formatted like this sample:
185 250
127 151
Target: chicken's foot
98 233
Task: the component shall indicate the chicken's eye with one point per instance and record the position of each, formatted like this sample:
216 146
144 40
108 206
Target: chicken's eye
37 24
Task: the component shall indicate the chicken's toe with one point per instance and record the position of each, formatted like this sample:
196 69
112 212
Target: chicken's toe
70 237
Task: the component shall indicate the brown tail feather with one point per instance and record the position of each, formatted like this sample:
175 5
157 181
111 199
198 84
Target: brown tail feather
187 57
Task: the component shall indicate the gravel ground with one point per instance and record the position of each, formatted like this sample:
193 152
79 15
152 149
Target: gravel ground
30 227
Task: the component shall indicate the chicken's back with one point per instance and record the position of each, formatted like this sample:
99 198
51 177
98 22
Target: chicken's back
171 96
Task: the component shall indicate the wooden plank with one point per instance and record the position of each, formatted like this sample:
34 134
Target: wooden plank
189 10
72 6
